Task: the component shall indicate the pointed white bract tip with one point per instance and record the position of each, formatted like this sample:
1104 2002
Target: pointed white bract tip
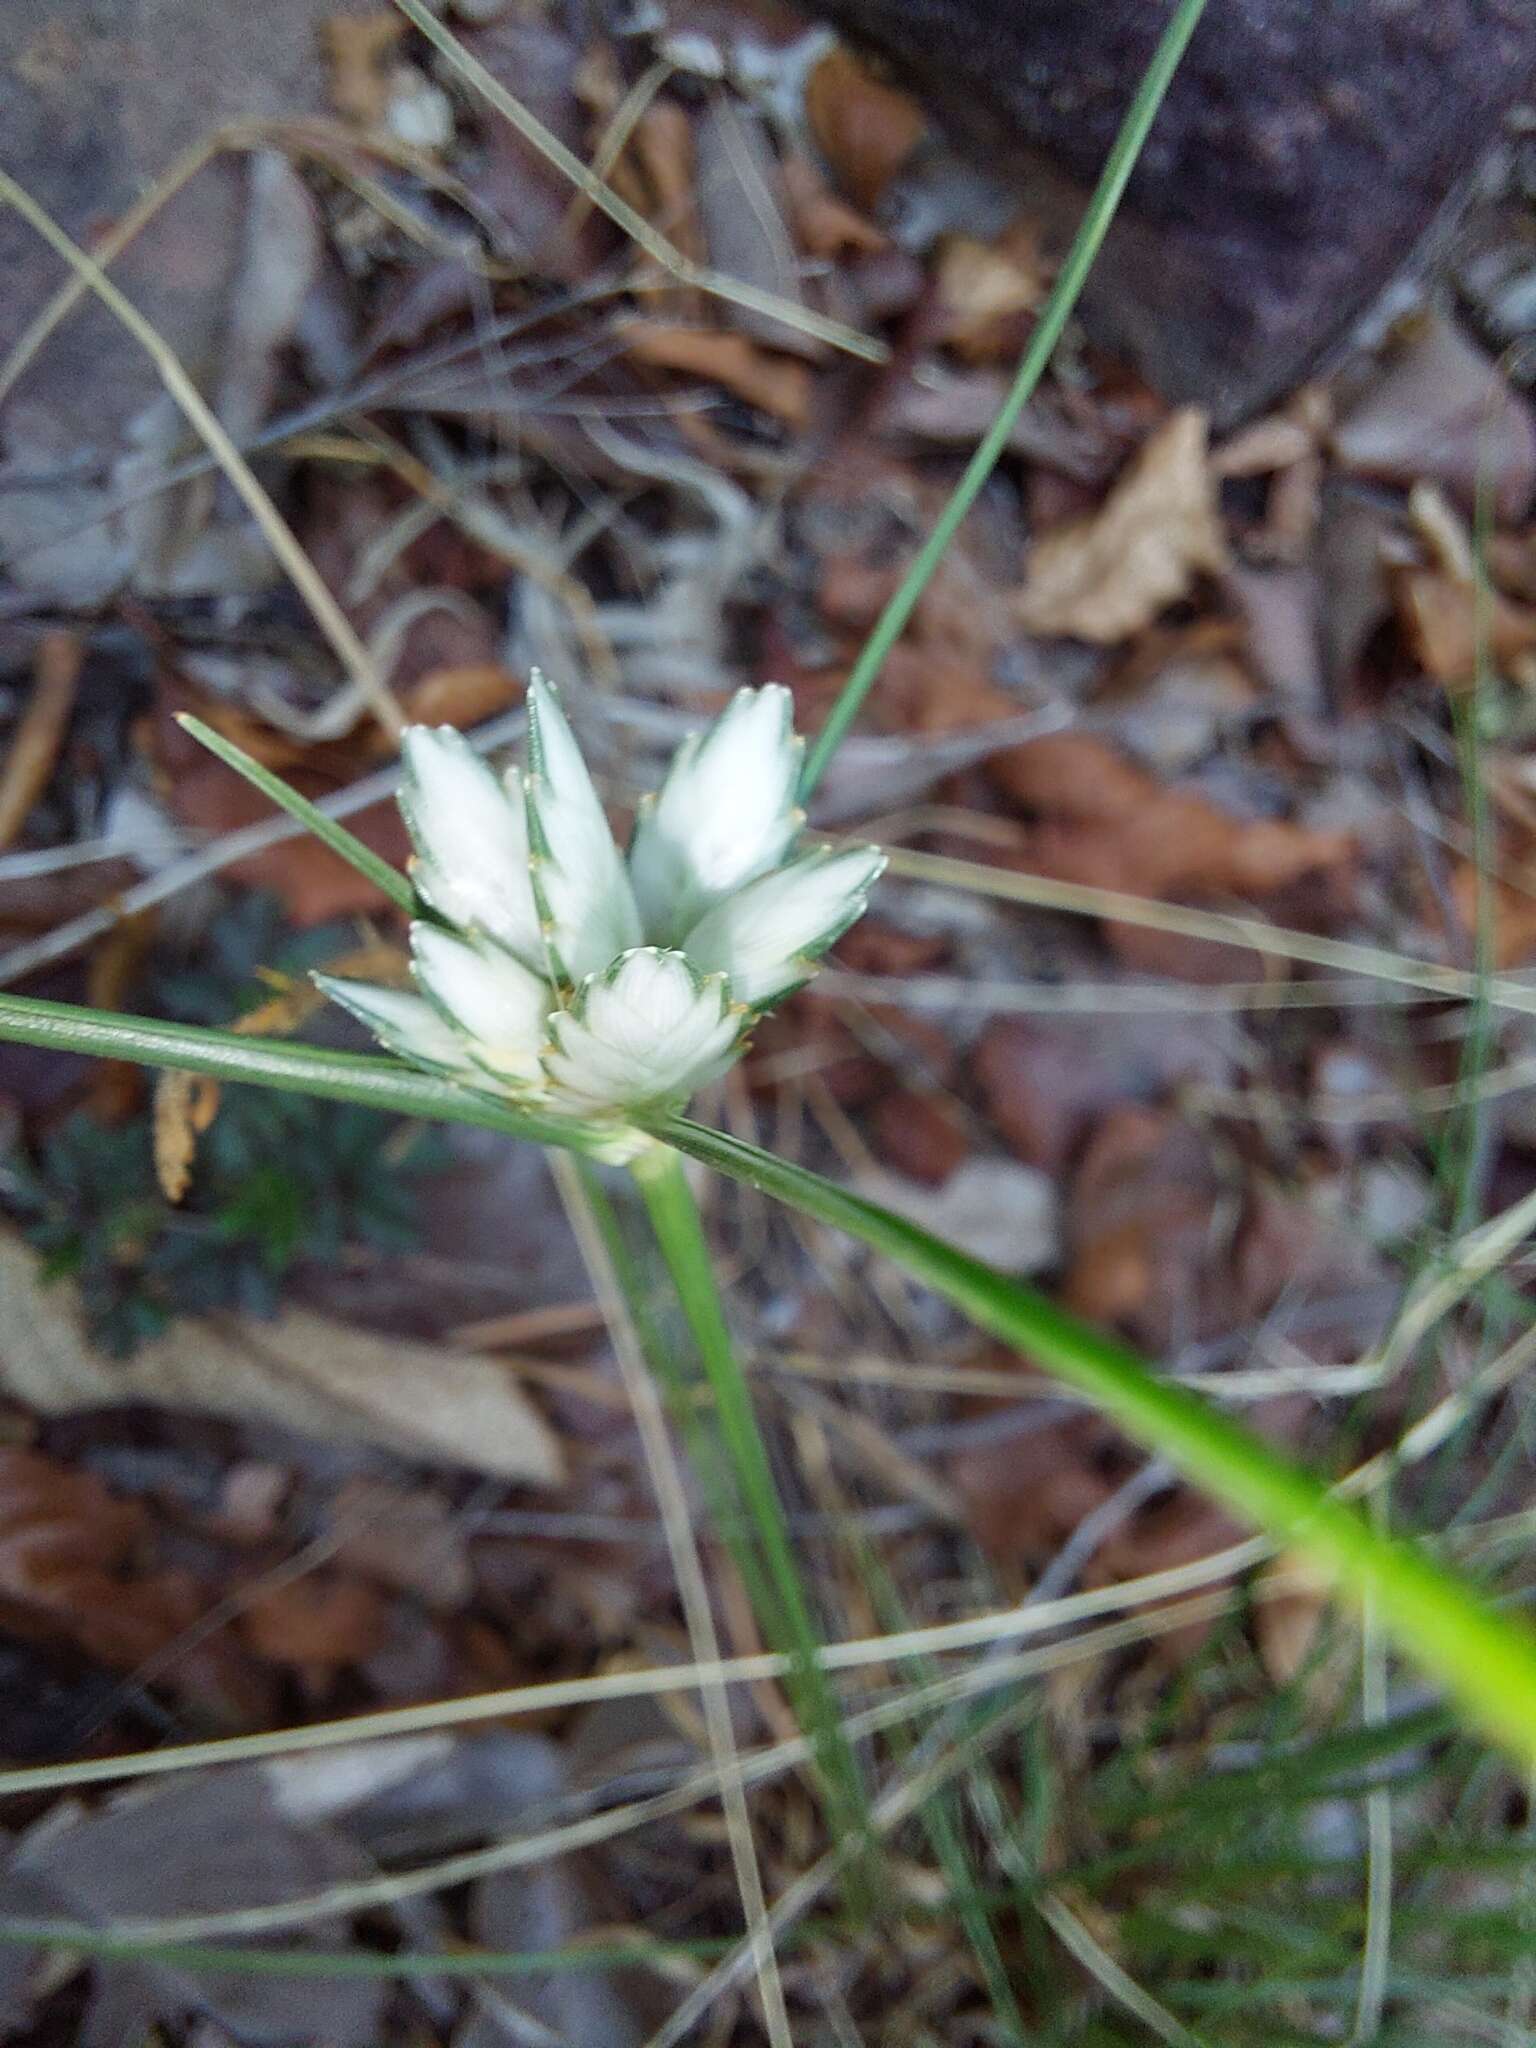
767 937
498 1004
579 876
649 1030
725 814
404 1024
471 839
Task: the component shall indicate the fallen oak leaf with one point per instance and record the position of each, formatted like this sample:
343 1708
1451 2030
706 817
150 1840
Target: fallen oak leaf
1105 577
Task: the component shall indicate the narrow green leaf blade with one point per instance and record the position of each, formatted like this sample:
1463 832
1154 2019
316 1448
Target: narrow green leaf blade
342 842
1054 316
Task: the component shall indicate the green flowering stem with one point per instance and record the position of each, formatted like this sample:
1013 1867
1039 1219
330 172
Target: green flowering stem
1486 1661
660 1175
1054 316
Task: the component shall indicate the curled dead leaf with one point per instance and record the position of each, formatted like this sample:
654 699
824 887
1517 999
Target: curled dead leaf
1104 578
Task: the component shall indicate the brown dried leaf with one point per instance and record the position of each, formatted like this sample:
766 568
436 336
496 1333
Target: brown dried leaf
314 884
71 1564
1101 820
1141 1217
657 173
825 226
1513 914
464 695
865 130
319 1623
1286 1621
984 289
1105 578
1440 409
185 1105
775 384
922 1135
1441 619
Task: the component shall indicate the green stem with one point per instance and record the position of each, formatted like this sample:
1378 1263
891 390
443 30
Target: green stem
1486 1661
788 1621
1042 343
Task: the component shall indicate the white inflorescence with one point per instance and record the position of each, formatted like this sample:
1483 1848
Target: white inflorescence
553 971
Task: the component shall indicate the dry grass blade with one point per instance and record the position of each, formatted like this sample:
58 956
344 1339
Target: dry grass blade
34 749
1340 956
123 231
327 614
757 1767
972 1632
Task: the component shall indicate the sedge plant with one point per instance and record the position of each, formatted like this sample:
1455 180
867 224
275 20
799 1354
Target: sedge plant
599 1056
577 998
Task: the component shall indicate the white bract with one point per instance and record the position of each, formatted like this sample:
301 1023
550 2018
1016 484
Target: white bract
551 971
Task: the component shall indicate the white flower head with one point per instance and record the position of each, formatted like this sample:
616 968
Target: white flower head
553 972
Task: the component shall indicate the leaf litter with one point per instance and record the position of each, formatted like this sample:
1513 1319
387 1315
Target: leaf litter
1225 677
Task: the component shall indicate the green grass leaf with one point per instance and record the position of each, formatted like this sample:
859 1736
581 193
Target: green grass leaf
341 842
1054 316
